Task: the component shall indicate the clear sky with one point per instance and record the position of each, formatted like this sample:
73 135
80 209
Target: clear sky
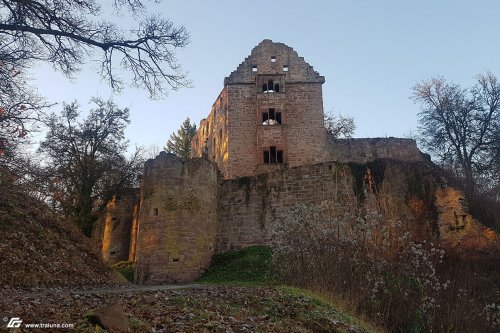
370 52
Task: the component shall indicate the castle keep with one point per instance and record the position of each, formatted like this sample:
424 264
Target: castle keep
269 114
262 150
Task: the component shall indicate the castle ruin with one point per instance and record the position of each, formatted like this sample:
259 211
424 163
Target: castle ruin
263 148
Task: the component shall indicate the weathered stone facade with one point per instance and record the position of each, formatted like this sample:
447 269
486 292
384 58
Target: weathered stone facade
116 229
262 150
177 219
365 150
270 112
248 206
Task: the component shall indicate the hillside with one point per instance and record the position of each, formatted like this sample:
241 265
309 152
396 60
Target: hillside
39 250
192 309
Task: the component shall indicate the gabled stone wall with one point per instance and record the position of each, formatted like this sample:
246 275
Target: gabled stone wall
236 136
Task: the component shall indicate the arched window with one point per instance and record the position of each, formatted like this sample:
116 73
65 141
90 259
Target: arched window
264 87
277 87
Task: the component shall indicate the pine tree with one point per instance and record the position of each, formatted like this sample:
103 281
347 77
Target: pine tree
180 143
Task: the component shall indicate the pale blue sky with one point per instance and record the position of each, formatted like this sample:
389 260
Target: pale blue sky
370 52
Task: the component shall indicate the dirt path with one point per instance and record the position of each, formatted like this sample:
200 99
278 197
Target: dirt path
134 288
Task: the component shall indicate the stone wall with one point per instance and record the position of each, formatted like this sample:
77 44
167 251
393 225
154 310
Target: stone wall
211 139
115 227
248 205
242 126
189 211
369 149
306 133
177 219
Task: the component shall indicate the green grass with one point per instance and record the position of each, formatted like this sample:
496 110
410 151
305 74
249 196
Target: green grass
125 268
249 266
326 307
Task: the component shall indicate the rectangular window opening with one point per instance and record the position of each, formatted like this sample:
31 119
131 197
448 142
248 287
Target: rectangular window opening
273 156
273 59
155 210
279 156
278 117
265 117
254 68
266 156
285 68
271 117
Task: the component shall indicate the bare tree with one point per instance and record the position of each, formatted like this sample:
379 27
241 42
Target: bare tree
339 126
67 32
20 108
461 127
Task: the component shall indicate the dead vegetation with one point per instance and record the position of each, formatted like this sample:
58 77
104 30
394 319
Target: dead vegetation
198 309
38 249
378 265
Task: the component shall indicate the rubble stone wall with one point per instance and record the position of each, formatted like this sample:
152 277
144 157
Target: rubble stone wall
117 225
368 149
177 220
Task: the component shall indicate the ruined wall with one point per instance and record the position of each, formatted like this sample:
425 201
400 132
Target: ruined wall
369 149
242 125
177 220
249 205
117 227
188 211
211 139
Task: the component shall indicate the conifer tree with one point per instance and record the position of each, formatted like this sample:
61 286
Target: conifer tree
180 143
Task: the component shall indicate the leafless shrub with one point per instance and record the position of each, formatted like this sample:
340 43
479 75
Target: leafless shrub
375 262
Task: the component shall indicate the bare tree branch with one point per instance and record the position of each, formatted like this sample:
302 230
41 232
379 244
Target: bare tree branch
65 32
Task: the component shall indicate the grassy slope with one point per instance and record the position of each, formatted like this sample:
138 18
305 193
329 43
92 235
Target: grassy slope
251 267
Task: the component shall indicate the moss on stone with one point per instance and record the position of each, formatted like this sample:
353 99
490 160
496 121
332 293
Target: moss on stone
125 268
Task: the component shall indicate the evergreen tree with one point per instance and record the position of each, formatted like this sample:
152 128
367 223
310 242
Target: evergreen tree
180 143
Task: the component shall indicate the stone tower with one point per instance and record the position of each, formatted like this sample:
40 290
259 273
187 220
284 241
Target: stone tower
269 114
177 219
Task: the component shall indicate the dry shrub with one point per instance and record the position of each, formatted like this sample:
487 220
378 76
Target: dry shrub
371 257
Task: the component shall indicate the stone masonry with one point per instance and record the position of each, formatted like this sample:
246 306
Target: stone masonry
269 113
262 150
177 219
118 226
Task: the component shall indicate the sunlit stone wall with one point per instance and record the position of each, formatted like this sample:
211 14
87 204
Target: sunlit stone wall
177 220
